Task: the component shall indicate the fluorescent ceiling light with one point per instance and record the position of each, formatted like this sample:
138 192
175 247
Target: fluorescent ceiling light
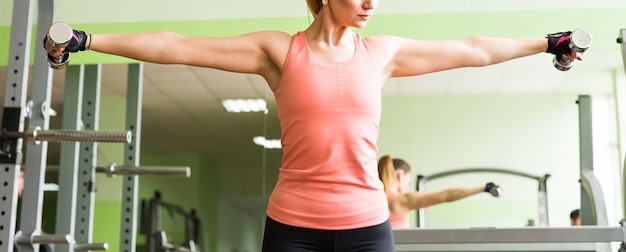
267 143
244 105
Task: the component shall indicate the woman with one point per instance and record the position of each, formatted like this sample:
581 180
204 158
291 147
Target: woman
396 177
327 84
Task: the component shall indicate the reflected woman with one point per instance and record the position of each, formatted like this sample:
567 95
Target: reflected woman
396 177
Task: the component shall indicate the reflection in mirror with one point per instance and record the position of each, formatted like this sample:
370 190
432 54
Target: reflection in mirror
535 133
183 123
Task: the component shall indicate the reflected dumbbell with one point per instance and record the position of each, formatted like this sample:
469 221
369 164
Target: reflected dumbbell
59 36
579 40
493 189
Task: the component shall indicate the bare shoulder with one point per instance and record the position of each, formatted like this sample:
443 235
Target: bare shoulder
384 42
273 34
268 41
273 38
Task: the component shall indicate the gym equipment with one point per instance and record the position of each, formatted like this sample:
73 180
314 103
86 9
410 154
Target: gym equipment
80 169
13 120
578 41
91 247
581 238
130 185
165 245
592 207
42 239
113 170
76 178
37 135
494 191
621 40
59 36
152 219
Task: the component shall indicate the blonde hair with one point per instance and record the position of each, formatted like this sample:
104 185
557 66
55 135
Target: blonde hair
386 172
314 6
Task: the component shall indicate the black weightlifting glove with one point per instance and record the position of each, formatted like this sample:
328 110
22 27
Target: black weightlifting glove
558 43
489 186
78 41
493 189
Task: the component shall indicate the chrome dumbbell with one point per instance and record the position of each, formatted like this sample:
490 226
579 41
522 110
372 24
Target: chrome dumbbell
579 40
59 36
493 189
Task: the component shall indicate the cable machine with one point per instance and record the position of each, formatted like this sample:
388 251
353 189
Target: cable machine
544 219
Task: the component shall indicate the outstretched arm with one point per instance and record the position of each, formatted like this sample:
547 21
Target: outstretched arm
408 57
406 202
249 53
418 57
418 200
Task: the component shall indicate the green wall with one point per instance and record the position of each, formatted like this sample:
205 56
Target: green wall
106 222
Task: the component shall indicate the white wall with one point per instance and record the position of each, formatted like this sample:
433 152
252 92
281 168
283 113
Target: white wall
533 133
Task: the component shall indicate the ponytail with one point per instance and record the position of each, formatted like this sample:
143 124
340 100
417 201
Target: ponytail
386 172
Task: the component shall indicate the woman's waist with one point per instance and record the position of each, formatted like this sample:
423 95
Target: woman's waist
328 199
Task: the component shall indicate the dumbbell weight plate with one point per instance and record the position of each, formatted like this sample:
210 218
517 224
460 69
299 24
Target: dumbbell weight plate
562 63
59 34
59 63
580 40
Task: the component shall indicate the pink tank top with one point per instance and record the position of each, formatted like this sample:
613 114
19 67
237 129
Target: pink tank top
397 221
329 115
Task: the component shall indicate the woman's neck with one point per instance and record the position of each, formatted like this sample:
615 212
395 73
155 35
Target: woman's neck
323 29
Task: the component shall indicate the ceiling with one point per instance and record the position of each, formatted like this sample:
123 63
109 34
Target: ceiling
182 112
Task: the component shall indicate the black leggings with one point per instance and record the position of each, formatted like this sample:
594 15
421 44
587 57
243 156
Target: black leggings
279 237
